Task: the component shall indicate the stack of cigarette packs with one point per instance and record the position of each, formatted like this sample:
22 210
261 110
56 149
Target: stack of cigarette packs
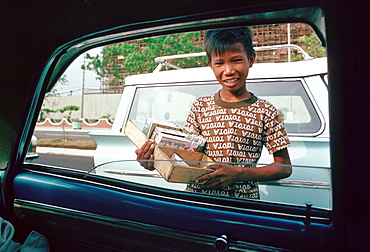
177 139
165 134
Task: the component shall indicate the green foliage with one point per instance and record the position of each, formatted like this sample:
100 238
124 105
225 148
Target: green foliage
312 47
107 116
135 59
62 81
54 92
70 109
45 112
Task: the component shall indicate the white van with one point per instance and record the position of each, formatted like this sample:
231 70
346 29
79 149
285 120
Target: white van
298 89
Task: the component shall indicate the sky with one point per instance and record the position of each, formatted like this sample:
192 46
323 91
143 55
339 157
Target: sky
75 77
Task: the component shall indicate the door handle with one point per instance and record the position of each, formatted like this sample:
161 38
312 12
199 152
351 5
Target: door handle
221 244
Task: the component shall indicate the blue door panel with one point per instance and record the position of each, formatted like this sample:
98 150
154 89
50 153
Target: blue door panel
2 210
118 204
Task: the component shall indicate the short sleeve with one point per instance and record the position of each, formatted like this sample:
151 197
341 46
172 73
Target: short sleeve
191 123
275 137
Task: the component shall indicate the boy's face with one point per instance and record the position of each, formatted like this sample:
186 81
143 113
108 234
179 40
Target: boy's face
231 69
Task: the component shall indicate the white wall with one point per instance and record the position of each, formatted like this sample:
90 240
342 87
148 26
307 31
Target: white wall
94 107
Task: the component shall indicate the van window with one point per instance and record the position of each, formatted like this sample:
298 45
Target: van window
172 103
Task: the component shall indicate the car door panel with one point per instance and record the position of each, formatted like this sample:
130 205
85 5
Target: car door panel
87 213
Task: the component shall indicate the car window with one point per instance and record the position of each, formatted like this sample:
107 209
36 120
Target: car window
114 90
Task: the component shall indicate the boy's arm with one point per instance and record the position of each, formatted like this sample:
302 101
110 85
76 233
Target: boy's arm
225 174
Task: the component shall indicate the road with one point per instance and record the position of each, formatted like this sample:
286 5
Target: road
80 163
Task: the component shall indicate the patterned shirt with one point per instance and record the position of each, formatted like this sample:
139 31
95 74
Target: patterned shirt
235 133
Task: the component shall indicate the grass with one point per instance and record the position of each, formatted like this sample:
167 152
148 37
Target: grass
71 143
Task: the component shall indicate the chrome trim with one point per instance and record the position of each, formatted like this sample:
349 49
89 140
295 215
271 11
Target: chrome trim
274 47
316 106
133 173
298 183
290 183
162 59
31 156
283 182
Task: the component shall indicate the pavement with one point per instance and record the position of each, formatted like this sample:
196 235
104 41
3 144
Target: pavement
69 129
65 151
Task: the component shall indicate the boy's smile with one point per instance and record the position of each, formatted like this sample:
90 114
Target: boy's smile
231 70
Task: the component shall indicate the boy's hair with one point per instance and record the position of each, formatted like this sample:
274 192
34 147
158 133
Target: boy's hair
218 41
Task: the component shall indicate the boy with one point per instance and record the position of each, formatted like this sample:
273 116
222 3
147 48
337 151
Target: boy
235 123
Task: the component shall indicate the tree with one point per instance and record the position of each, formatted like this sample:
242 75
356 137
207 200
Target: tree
312 47
44 112
70 109
62 81
123 59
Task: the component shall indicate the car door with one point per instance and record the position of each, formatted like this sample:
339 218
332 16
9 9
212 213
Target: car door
77 211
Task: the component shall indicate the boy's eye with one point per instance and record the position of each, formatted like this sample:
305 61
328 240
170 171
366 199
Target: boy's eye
237 60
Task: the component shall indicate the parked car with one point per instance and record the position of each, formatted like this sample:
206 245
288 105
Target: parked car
77 211
297 89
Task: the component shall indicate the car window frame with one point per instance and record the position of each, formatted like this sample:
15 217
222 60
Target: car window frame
60 63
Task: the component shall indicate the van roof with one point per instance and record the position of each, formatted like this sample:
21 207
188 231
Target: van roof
258 71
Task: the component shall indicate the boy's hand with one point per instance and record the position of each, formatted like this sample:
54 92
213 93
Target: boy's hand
223 176
146 152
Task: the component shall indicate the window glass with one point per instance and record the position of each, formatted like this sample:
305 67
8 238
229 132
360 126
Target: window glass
293 103
89 118
169 104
